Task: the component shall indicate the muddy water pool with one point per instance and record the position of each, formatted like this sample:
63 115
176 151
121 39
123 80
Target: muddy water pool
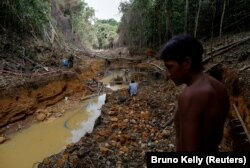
41 140
30 146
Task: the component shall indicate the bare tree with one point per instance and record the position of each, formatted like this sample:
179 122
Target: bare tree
222 17
186 17
169 27
197 19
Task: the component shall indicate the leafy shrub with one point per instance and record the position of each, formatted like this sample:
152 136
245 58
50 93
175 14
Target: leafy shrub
24 15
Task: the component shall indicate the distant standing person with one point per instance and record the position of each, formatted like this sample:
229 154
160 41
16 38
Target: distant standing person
133 88
204 103
70 61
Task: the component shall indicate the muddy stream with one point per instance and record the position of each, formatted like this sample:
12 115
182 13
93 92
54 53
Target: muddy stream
30 146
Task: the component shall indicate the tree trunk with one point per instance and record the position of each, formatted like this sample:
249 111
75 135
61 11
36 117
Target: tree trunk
222 17
212 26
159 33
169 28
186 17
197 19
142 27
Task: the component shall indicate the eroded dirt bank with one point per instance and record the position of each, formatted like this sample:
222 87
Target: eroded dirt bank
38 98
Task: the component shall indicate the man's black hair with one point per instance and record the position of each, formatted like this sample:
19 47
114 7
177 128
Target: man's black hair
182 46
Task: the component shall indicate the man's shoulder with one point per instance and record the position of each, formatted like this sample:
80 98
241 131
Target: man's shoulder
196 94
217 84
192 91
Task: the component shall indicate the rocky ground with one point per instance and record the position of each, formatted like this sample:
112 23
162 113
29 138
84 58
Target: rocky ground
127 129
131 126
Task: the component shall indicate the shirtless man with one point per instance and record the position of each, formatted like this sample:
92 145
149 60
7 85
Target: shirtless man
204 103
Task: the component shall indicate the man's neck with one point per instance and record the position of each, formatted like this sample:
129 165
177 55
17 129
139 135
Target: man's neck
193 76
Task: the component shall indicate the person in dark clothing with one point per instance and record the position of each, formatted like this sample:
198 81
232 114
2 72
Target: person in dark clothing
70 61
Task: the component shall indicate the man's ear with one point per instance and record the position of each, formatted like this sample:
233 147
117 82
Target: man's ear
187 63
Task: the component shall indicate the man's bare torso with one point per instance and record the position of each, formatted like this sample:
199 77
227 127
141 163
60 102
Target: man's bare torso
202 110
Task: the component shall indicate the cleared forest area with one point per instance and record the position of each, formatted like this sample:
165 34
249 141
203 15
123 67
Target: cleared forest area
36 36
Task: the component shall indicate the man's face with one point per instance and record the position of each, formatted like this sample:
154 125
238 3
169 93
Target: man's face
175 72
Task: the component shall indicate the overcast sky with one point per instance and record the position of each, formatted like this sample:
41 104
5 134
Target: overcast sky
105 9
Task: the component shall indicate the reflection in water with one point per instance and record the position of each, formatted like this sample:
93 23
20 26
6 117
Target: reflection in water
87 126
41 140
112 75
117 87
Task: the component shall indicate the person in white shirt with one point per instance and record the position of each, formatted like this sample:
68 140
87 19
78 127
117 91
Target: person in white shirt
133 88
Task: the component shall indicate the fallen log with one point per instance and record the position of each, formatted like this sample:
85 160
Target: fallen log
88 97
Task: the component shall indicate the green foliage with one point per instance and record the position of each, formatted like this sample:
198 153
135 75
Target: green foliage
106 32
178 16
145 23
81 18
135 28
24 15
111 22
150 23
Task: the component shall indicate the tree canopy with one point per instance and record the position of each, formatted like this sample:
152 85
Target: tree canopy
149 23
105 33
24 15
144 24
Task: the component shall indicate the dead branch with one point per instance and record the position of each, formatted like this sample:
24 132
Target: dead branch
223 49
32 74
100 89
242 123
27 59
162 69
206 70
244 68
88 97
90 88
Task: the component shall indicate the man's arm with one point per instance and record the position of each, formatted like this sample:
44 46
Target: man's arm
192 105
